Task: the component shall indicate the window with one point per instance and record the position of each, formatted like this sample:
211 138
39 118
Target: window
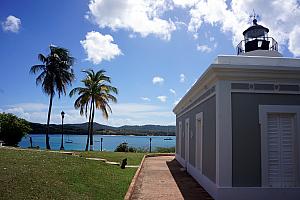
279 145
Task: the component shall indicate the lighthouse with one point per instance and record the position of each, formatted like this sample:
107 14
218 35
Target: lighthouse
257 42
238 127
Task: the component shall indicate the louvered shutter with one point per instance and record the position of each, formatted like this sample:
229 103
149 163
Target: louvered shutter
288 157
281 150
273 150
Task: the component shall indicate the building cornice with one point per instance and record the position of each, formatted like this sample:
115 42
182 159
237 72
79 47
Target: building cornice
241 68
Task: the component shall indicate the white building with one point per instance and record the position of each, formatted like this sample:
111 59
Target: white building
238 128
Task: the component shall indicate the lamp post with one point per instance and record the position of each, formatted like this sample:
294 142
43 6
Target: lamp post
62 130
150 144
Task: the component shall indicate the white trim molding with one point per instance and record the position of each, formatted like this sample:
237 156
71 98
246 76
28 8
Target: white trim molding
179 137
187 140
246 68
205 182
223 134
264 110
199 141
180 160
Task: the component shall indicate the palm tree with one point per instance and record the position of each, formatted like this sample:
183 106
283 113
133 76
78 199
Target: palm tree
56 74
96 93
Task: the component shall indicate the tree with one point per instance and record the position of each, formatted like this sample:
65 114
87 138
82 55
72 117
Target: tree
56 74
96 94
12 129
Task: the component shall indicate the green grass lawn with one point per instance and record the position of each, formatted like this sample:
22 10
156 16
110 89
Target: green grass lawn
45 175
132 158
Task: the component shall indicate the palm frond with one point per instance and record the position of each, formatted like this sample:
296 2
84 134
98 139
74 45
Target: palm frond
42 58
36 68
40 78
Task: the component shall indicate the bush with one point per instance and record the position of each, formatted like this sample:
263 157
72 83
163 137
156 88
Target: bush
164 150
12 129
123 147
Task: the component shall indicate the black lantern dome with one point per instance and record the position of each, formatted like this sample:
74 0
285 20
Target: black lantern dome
256 38
256 31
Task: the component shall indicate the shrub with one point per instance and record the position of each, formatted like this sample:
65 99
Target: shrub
12 129
123 147
164 150
131 149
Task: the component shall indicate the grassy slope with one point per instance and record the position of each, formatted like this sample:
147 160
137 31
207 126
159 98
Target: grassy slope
132 158
46 175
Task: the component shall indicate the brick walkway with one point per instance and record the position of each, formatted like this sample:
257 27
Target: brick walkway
161 178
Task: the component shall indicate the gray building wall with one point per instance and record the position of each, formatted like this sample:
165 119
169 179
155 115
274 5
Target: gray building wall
208 108
246 138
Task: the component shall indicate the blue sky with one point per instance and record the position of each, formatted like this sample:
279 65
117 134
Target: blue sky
153 50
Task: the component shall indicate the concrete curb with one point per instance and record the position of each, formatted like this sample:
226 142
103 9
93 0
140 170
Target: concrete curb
160 154
138 171
133 181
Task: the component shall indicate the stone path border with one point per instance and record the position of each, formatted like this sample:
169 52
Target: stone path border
133 181
163 178
138 171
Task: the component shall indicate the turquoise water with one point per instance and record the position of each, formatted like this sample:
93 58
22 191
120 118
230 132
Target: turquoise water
110 142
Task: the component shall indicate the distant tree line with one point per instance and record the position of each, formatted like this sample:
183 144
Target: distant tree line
81 129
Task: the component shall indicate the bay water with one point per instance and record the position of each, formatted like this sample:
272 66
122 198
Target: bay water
110 142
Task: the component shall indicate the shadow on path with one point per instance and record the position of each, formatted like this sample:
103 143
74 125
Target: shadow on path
188 187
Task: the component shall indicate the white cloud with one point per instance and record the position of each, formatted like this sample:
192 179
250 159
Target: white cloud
145 99
12 24
182 78
173 91
138 114
143 16
294 41
184 3
34 112
123 114
204 48
99 47
162 98
195 36
280 16
30 106
157 80
132 35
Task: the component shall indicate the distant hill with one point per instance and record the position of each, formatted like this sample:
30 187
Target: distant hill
105 130
148 128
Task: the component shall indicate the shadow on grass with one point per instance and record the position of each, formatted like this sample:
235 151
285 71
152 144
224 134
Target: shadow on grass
188 187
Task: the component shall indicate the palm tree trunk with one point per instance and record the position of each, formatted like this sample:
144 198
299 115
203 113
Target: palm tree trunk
92 125
48 122
89 127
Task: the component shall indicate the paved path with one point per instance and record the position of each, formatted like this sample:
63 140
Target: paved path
161 178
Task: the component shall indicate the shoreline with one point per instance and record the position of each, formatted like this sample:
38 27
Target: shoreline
113 134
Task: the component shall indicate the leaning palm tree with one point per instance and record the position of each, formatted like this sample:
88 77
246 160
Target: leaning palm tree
96 94
56 74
